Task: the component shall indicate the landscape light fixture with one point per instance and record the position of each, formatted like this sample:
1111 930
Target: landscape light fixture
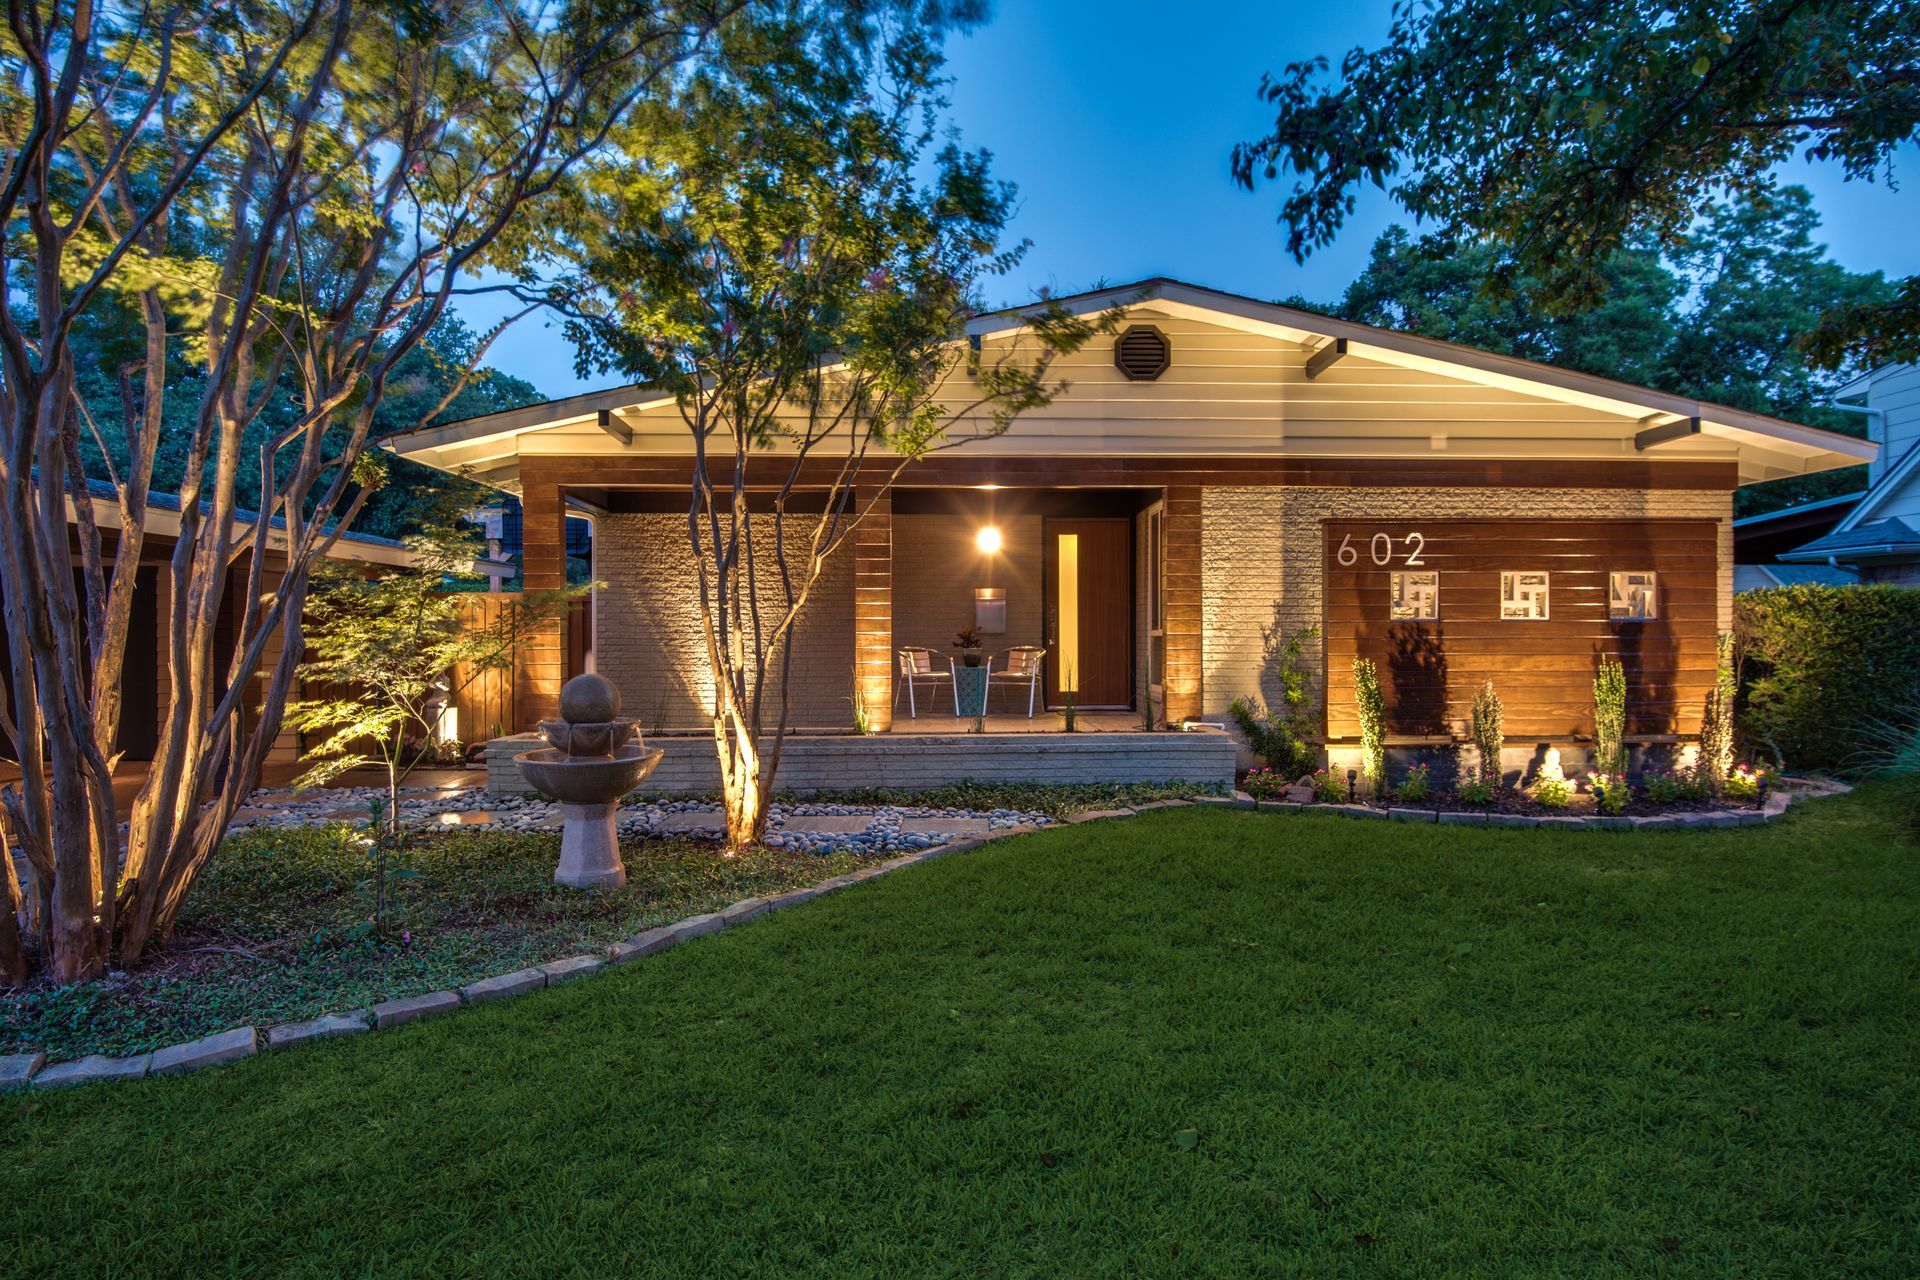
1353 785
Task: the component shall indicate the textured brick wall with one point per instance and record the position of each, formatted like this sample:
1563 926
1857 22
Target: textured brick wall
647 636
1262 558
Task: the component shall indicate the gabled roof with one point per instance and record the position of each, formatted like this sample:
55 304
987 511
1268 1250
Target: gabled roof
1783 515
1758 577
1349 388
1879 540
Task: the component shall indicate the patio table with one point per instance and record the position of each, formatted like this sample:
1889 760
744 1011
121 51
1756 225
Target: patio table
969 689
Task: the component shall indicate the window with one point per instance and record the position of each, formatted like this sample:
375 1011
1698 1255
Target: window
1523 596
1633 597
1416 596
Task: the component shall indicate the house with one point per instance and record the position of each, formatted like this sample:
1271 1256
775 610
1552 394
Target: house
1878 539
1220 475
1760 540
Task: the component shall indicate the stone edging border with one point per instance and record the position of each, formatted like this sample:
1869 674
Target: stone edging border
23 1070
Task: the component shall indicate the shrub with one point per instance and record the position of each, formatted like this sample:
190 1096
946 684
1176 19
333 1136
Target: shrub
1823 664
1474 791
1328 787
1282 736
1416 786
1610 717
1550 787
1716 724
1744 783
1372 708
1488 732
1611 792
1668 786
1263 783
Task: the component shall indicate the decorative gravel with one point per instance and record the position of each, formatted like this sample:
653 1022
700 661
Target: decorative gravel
787 825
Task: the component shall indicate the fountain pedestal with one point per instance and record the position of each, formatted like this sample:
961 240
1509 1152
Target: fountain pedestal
590 847
590 763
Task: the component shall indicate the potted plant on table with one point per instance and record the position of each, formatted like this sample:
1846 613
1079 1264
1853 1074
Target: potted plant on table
968 643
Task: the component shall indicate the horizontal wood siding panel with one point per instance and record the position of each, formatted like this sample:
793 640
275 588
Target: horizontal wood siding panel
1542 669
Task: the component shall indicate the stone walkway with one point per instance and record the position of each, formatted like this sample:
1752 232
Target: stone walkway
816 827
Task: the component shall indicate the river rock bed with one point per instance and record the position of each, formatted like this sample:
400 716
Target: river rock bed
814 826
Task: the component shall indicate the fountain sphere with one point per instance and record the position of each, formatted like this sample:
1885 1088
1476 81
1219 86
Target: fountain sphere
593 757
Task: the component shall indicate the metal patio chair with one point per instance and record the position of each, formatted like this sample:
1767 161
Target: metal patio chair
916 664
1021 669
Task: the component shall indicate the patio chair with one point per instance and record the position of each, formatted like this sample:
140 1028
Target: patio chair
916 664
1020 669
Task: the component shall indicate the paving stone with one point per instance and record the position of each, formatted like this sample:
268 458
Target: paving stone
943 826
1025 828
1217 802
745 909
1750 817
1561 820
572 967
391 1013
792 898
1413 815
1161 804
904 860
830 822
1660 822
642 944
1456 819
690 822
1281 806
1356 811
1722 818
1512 820
954 846
207 1051
95 1068
699 926
1777 802
324 1027
834 884
16 1069
502 985
1096 815
1241 800
1610 822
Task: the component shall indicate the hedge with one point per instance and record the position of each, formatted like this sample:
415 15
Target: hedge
1823 667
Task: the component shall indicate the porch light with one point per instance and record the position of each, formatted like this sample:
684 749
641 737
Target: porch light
988 539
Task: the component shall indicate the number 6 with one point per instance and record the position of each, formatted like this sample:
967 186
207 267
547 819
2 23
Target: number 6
1347 555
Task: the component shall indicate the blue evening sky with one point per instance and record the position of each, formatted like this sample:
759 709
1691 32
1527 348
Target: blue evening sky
1116 118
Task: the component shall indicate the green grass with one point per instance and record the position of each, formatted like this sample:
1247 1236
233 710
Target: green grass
1199 1042
276 930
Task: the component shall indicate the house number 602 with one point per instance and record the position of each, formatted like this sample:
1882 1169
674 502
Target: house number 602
1380 549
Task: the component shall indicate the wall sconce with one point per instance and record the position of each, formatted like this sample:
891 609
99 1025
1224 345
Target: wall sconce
988 539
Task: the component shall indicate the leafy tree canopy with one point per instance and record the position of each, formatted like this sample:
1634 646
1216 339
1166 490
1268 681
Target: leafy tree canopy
1568 134
1724 319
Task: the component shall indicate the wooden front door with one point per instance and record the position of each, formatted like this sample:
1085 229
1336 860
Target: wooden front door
1088 596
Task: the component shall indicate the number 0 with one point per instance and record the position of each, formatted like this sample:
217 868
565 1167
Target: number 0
1382 549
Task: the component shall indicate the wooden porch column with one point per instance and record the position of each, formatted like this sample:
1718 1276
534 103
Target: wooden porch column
543 567
1182 675
873 607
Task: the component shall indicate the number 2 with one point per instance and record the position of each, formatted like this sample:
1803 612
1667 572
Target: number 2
1416 543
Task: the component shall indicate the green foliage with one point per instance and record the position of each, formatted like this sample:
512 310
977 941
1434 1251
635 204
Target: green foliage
1416 786
1716 721
1671 786
1027 1076
1283 736
1744 783
1372 708
1488 732
390 651
1552 793
1824 667
1475 790
1263 783
1611 793
1610 717
1328 786
1567 135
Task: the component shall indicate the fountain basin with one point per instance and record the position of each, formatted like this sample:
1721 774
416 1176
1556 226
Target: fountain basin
586 779
592 738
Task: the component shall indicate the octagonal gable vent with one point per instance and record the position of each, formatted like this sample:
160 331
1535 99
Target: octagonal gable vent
1142 352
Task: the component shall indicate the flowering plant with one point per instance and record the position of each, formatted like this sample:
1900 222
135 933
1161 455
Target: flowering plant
1328 786
1744 782
1416 785
1611 792
1263 783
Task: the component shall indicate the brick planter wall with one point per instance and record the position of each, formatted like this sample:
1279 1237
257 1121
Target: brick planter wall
914 762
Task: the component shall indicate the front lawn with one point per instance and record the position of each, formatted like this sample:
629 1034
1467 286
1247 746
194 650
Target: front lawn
1198 1042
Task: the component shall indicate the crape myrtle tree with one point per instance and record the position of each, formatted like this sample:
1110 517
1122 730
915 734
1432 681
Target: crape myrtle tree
1564 133
797 270
285 196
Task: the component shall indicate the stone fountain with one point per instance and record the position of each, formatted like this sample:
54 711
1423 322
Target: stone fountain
593 757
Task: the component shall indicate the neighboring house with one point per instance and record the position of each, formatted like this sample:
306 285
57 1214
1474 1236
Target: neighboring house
1759 542
1878 540
146 680
1221 475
